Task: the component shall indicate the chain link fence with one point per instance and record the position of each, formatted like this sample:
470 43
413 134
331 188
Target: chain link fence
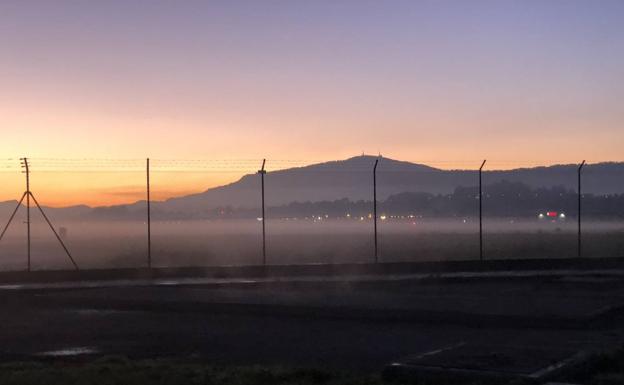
209 212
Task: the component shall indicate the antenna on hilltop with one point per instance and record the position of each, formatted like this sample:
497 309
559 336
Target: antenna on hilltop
28 194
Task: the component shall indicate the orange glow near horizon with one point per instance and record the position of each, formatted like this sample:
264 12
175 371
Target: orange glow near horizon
60 189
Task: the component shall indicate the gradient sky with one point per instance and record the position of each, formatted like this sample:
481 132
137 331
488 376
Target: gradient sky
531 82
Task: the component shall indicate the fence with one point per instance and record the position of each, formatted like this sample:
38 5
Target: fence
393 211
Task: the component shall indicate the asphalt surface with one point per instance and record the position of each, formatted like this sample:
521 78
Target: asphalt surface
361 324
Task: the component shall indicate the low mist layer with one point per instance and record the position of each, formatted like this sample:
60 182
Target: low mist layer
111 244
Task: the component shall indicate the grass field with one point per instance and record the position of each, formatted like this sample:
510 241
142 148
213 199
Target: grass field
603 369
118 370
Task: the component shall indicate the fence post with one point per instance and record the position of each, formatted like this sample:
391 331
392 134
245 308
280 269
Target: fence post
375 207
27 172
481 212
262 171
579 250
149 219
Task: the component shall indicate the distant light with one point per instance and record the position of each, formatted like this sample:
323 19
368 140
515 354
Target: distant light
348 215
259 219
540 216
361 218
464 220
383 217
319 218
370 216
562 216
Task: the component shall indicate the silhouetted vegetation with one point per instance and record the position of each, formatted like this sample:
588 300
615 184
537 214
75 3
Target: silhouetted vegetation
503 199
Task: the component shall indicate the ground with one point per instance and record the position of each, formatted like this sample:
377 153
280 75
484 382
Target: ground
599 369
324 330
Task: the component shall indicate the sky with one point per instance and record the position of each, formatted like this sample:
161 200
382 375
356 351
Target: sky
440 82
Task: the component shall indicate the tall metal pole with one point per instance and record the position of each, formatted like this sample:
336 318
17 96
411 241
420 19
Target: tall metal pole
262 171
481 211
149 221
28 195
579 250
375 206
27 171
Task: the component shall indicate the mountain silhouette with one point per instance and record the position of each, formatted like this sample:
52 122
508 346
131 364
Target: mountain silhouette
352 179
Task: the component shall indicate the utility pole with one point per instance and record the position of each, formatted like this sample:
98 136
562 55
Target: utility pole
28 195
149 222
579 250
262 171
375 207
481 211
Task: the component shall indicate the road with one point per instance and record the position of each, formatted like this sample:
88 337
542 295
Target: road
361 325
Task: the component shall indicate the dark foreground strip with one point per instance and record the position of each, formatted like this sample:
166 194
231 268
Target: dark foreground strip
352 269
611 317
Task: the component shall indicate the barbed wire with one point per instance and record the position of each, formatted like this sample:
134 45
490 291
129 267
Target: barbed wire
44 164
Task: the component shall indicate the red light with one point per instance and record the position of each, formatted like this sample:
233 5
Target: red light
552 213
